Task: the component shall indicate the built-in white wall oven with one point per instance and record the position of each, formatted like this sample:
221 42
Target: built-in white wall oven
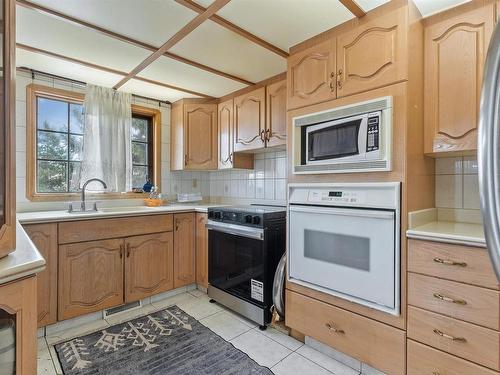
353 138
344 240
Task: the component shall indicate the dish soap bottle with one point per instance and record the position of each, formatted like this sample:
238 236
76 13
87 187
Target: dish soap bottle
147 186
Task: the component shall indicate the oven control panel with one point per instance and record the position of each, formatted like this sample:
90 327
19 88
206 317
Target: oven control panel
335 196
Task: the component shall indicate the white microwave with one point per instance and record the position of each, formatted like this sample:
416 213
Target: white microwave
354 138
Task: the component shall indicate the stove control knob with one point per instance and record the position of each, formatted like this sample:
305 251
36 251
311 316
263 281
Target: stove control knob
217 215
256 220
248 219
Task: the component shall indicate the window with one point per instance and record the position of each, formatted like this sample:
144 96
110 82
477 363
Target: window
55 141
59 141
142 150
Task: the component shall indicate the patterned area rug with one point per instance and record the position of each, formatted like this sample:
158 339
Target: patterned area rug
166 342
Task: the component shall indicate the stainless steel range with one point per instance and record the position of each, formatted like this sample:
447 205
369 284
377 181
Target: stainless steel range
245 246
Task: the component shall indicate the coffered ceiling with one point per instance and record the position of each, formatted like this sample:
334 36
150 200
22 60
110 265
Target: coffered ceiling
209 48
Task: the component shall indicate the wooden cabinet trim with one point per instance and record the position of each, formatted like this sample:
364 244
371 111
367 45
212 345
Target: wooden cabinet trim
201 250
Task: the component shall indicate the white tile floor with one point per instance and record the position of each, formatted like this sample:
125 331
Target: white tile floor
271 348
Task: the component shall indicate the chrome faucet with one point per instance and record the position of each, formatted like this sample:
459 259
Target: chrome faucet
83 191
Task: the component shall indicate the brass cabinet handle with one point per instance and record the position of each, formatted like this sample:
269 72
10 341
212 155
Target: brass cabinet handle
339 78
332 85
435 373
121 251
268 135
231 157
449 337
185 159
262 136
449 262
127 246
176 225
332 328
449 299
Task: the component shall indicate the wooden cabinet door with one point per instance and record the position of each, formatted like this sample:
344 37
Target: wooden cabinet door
200 136
225 122
201 250
149 265
455 50
276 114
44 236
184 249
311 75
372 55
90 277
249 120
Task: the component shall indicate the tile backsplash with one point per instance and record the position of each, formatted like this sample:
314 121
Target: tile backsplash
457 183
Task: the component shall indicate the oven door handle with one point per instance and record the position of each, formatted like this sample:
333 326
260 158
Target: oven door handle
237 230
344 212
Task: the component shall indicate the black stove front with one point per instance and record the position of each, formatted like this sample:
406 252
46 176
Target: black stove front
243 255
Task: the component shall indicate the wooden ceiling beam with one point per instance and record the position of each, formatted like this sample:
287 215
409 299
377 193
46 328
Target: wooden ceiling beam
353 7
234 28
126 39
107 70
176 38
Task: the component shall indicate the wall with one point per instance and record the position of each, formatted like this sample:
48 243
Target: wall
265 184
23 204
457 188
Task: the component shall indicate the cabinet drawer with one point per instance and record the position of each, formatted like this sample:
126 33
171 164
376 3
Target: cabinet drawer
460 301
466 340
466 264
89 230
425 360
374 343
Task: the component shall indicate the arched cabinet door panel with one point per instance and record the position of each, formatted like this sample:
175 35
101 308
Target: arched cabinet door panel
276 114
200 136
249 120
184 249
372 55
311 75
455 51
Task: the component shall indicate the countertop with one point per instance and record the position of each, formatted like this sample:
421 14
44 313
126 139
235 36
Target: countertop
51 216
426 225
24 261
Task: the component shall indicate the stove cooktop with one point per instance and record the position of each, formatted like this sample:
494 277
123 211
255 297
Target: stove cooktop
247 215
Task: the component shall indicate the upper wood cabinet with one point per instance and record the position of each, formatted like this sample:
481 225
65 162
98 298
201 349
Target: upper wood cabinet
455 51
276 114
249 120
227 157
90 277
311 75
201 250
373 54
184 249
44 236
149 265
193 134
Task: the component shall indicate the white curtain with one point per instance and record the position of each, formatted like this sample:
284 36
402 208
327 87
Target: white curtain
107 146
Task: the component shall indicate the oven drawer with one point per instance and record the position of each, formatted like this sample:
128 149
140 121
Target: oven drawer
460 301
466 264
374 343
425 360
466 340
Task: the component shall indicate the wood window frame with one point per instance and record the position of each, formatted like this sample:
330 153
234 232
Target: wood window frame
33 91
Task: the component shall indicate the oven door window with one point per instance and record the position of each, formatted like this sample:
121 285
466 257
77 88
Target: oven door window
236 265
351 252
336 141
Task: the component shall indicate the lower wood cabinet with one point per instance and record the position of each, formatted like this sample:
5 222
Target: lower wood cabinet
184 249
90 277
44 236
201 250
149 265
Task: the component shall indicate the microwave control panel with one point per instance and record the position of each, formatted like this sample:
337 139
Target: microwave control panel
373 129
335 196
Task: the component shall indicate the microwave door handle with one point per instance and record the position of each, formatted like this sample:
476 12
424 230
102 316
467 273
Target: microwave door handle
345 212
363 135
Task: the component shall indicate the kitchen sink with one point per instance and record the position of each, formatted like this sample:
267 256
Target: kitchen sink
127 209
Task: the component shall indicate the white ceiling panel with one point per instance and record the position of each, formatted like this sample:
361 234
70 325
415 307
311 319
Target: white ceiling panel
49 33
186 76
222 49
153 91
429 7
368 5
285 23
150 21
65 69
